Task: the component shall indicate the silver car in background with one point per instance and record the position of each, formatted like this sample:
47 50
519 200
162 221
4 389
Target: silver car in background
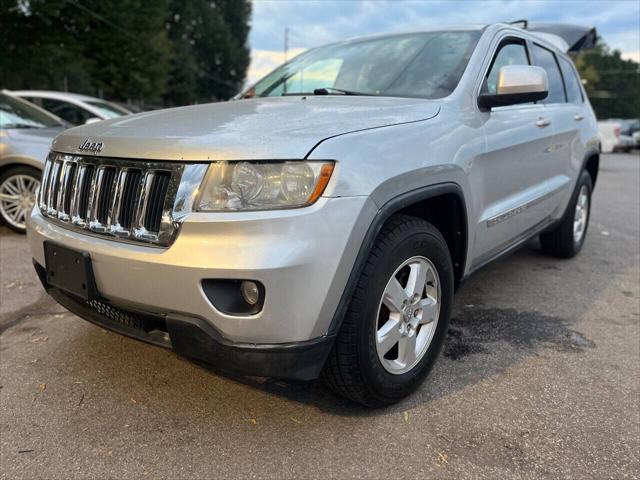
73 108
26 132
320 227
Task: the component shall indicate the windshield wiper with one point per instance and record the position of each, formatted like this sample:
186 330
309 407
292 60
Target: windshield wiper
329 90
19 125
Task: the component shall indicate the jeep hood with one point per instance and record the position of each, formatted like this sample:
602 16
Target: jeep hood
261 128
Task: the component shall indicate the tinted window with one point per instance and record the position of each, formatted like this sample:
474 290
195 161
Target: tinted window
426 65
67 111
15 113
571 81
109 110
546 59
509 54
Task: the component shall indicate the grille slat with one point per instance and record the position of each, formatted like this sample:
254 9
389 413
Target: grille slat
67 193
52 187
123 199
153 215
105 194
129 194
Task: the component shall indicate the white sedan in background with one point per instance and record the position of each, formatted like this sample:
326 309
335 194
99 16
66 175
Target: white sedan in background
617 135
72 107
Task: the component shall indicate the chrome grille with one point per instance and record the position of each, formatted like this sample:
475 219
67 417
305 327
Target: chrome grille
134 201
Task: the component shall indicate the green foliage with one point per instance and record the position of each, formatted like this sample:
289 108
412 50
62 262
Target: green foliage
178 52
210 49
613 84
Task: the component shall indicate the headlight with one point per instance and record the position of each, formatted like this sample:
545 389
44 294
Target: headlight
262 185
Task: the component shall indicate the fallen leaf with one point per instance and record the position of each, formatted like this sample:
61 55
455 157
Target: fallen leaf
443 458
295 420
406 417
254 421
43 387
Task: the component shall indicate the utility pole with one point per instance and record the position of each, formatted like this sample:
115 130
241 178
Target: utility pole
286 42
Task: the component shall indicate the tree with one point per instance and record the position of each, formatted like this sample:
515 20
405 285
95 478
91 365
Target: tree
211 55
612 83
181 52
40 48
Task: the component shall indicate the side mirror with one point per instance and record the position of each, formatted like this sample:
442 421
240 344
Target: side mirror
517 84
92 120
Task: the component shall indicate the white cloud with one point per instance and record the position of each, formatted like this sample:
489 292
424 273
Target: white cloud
635 56
316 22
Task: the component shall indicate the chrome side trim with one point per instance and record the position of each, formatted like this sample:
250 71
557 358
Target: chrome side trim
495 220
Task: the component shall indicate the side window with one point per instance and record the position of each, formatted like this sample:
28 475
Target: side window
511 53
66 111
546 59
571 81
34 100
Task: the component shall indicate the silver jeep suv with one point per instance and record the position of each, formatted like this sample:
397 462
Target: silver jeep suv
319 224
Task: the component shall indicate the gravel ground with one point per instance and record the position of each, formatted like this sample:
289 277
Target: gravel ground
540 378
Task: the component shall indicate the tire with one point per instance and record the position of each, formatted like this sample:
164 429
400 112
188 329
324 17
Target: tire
354 368
561 241
12 214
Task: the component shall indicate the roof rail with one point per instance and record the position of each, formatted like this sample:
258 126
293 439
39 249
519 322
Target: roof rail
525 23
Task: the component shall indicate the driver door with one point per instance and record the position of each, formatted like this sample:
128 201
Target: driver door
510 181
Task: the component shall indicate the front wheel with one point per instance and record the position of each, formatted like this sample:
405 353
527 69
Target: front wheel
18 186
397 319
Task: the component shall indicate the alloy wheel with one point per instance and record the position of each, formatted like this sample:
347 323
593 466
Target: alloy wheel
581 215
17 197
408 315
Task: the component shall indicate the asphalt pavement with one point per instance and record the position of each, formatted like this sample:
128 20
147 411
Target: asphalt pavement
540 378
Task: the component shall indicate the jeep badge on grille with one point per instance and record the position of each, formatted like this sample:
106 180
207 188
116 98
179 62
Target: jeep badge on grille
89 146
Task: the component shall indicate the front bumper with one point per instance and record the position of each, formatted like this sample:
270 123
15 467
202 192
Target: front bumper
302 257
195 339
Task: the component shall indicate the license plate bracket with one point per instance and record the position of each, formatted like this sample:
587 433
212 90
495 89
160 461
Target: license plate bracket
70 270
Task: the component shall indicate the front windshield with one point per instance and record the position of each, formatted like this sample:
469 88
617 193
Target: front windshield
423 65
108 110
15 113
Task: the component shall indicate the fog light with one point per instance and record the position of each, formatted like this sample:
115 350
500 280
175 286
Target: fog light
250 292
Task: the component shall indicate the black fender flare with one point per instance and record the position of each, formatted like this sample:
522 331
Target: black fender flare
385 212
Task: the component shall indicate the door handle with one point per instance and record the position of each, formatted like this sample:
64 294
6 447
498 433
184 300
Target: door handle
543 122
577 118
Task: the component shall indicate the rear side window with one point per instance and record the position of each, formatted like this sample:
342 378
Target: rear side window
546 59
511 53
67 111
571 81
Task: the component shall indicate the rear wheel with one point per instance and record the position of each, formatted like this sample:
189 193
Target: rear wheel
397 319
567 238
18 186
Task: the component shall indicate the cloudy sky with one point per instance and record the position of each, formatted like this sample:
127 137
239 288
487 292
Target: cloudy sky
314 22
